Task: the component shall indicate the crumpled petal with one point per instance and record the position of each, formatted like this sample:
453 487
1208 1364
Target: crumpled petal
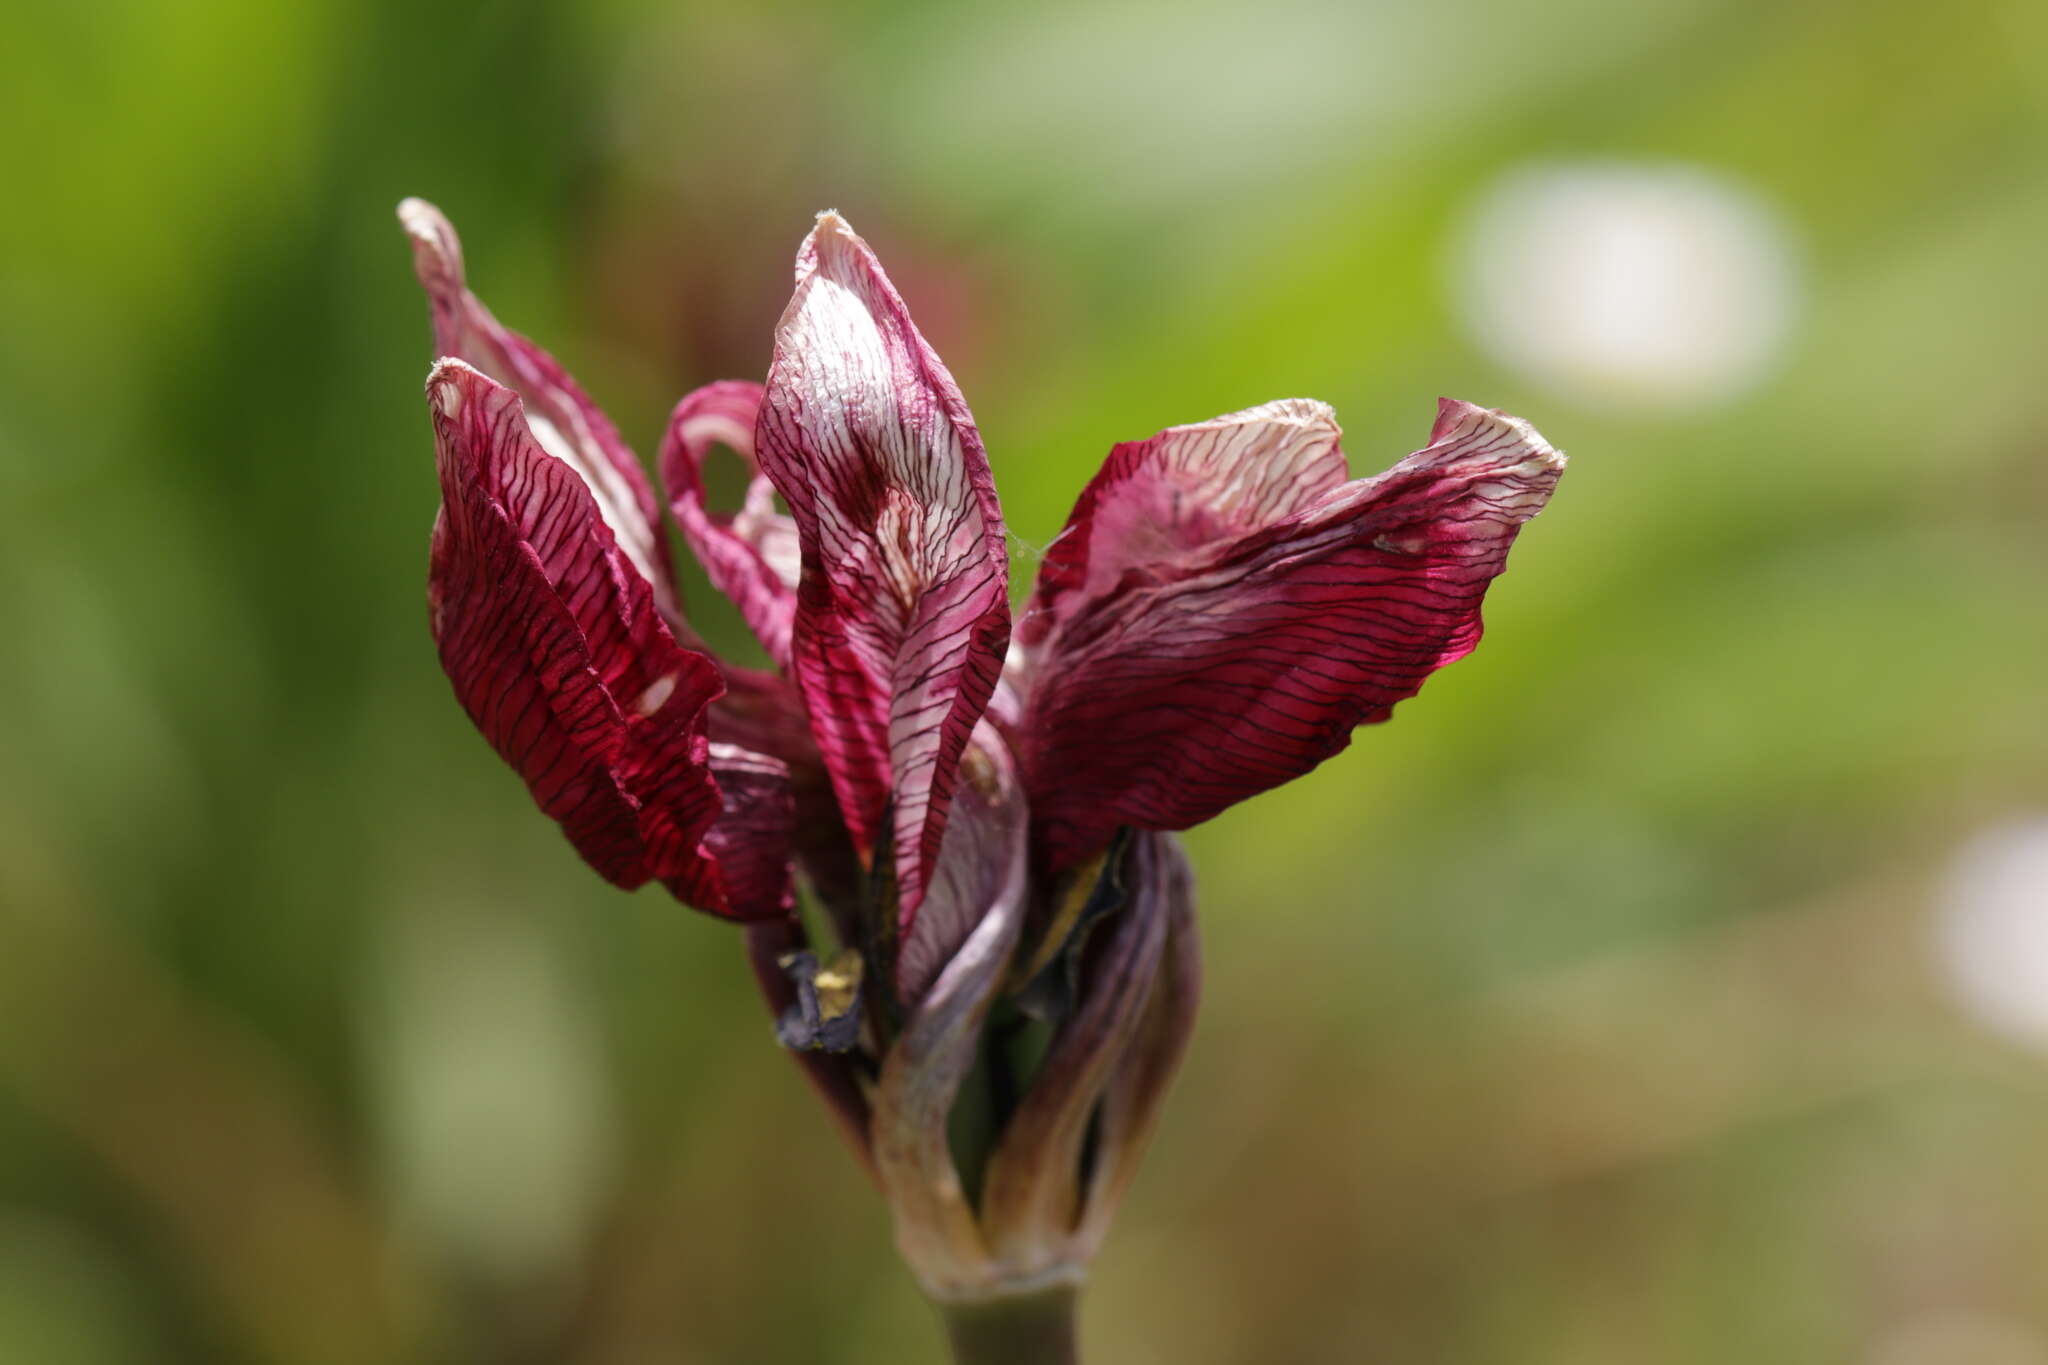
750 845
561 416
551 638
1206 628
751 555
902 610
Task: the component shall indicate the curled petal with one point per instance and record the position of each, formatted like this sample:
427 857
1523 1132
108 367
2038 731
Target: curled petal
1177 673
984 838
563 419
751 555
551 638
936 1227
902 614
1131 1101
1032 1202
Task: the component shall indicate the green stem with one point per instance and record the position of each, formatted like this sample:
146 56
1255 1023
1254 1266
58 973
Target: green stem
1031 1329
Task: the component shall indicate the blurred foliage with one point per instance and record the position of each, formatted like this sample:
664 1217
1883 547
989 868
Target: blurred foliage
1583 1015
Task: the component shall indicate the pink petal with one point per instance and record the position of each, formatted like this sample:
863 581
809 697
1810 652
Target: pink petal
551 638
1204 630
563 419
902 614
751 555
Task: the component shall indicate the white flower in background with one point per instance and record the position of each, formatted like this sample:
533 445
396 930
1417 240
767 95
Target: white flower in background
1992 929
1627 285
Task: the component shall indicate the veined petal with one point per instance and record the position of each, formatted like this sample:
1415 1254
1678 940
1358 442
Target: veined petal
563 419
752 555
1176 675
1167 501
902 615
552 640
749 846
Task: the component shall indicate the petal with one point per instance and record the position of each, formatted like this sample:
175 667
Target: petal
553 643
749 846
1032 1198
751 555
984 839
563 419
937 1230
1164 502
902 609
1176 678
1132 1098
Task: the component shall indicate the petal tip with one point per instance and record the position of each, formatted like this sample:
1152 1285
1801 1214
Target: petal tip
1456 417
437 251
833 243
452 372
1306 413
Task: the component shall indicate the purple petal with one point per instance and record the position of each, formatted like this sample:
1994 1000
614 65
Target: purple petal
902 615
984 840
751 555
1132 1098
1203 631
552 640
1032 1199
563 419
937 1230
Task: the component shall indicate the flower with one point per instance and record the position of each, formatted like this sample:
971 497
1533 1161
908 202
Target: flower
981 816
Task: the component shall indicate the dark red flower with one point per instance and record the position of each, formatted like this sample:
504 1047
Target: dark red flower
981 821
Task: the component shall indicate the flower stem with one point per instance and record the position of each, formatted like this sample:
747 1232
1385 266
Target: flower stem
1031 1329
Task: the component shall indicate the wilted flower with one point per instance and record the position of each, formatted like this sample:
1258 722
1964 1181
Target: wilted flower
1000 969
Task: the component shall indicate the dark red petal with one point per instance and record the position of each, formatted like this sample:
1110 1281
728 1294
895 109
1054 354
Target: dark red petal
562 418
551 638
751 555
1191 673
902 610
748 848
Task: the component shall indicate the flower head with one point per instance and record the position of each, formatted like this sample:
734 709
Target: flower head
981 817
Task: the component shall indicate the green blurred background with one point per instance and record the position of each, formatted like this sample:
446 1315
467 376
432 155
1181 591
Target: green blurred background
1650 991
